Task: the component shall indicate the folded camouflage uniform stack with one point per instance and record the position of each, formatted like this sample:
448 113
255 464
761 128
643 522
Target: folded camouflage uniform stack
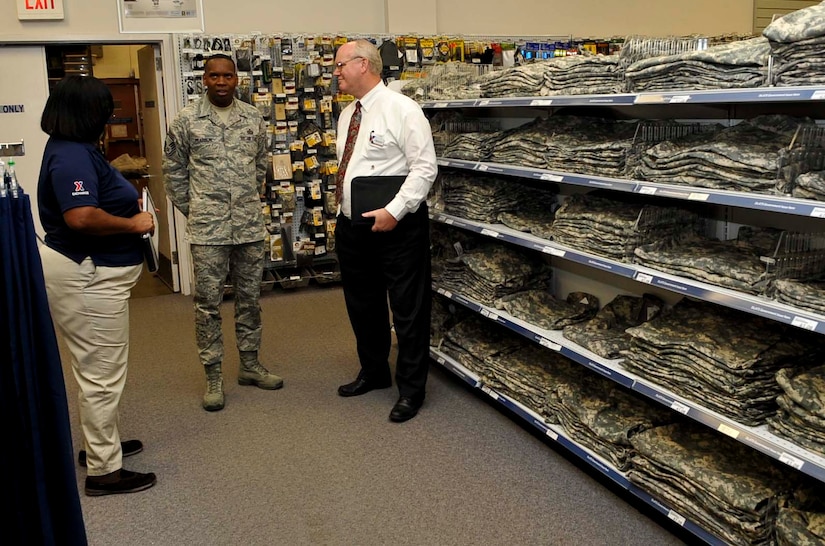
476 341
540 308
801 414
726 487
746 157
604 417
801 520
734 264
605 333
612 226
804 295
728 66
492 271
796 42
723 359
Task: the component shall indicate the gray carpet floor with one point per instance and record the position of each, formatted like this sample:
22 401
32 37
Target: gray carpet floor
303 466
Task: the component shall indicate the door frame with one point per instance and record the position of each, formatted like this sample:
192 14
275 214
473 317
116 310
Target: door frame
169 89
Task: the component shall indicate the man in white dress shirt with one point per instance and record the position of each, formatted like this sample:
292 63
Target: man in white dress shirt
390 256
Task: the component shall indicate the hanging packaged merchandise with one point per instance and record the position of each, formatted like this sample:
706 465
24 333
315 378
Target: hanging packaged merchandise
442 51
391 59
310 133
281 167
243 57
427 48
279 109
311 163
244 89
263 102
330 224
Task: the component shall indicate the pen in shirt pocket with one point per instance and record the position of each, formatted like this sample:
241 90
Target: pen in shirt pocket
376 140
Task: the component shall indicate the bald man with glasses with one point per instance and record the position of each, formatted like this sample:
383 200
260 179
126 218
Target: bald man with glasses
384 254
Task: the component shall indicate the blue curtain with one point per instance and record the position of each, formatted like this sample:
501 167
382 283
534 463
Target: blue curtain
42 501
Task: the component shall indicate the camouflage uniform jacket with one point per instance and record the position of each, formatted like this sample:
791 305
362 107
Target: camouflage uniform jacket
213 172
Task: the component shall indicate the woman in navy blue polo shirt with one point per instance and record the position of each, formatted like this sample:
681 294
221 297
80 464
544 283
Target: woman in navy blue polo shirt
91 260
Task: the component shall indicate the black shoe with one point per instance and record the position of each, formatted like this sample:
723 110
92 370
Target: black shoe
405 409
362 386
119 481
129 448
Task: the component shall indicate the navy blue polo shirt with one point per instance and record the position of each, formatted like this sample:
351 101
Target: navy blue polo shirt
75 174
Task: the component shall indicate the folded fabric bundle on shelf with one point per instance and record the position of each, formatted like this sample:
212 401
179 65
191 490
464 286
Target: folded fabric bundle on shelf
805 295
732 65
540 308
735 264
796 42
801 414
801 519
745 157
728 488
605 333
721 358
613 227
492 271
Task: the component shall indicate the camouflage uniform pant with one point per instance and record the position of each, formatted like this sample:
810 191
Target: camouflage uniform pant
244 264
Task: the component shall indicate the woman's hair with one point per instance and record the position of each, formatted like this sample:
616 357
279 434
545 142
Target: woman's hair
77 109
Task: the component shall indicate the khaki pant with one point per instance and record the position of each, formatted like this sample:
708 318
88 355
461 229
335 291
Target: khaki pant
90 306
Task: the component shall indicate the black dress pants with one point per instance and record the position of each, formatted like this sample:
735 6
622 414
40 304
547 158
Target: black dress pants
394 264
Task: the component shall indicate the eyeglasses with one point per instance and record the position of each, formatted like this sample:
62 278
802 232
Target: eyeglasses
344 63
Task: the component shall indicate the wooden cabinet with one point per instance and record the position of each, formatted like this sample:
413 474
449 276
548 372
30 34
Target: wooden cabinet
124 131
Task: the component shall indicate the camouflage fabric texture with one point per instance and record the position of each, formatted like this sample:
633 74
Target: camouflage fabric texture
801 520
801 413
211 265
605 333
724 359
540 308
213 172
727 487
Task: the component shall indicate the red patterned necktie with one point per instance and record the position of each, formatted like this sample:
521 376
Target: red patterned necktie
352 134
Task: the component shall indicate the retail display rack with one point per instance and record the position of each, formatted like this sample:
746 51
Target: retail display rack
636 105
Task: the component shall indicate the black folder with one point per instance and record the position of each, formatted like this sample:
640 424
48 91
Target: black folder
371 193
149 241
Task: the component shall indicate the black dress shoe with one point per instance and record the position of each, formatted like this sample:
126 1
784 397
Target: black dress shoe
405 409
119 481
129 447
362 386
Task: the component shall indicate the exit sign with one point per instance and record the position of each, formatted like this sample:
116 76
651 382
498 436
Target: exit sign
39 9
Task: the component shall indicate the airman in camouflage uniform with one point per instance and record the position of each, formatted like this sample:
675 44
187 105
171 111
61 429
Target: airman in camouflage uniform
215 160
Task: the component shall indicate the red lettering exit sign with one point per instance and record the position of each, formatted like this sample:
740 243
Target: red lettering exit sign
39 9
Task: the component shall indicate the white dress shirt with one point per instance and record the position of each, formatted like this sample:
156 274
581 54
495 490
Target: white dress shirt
394 139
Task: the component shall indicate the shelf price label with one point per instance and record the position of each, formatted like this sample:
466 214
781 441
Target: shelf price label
677 518
805 324
681 408
819 94
647 190
551 177
698 196
818 212
490 233
552 434
489 314
728 431
791 461
679 99
544 342
644 277
441 360
553 251
489 392
440 105
541 102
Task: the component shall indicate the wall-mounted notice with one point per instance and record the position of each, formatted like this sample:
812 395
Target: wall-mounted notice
160 15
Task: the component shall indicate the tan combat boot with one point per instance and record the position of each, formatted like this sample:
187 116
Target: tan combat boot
213 400
252 373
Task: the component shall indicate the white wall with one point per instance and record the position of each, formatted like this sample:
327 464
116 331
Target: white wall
90 18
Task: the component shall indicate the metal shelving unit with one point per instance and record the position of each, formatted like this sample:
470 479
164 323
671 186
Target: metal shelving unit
743 100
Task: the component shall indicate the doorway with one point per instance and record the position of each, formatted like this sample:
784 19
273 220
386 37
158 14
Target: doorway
133 138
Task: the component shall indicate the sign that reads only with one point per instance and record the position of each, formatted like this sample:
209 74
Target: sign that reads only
39 9
11 109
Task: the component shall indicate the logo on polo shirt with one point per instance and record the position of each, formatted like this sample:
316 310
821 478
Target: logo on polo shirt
79 189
